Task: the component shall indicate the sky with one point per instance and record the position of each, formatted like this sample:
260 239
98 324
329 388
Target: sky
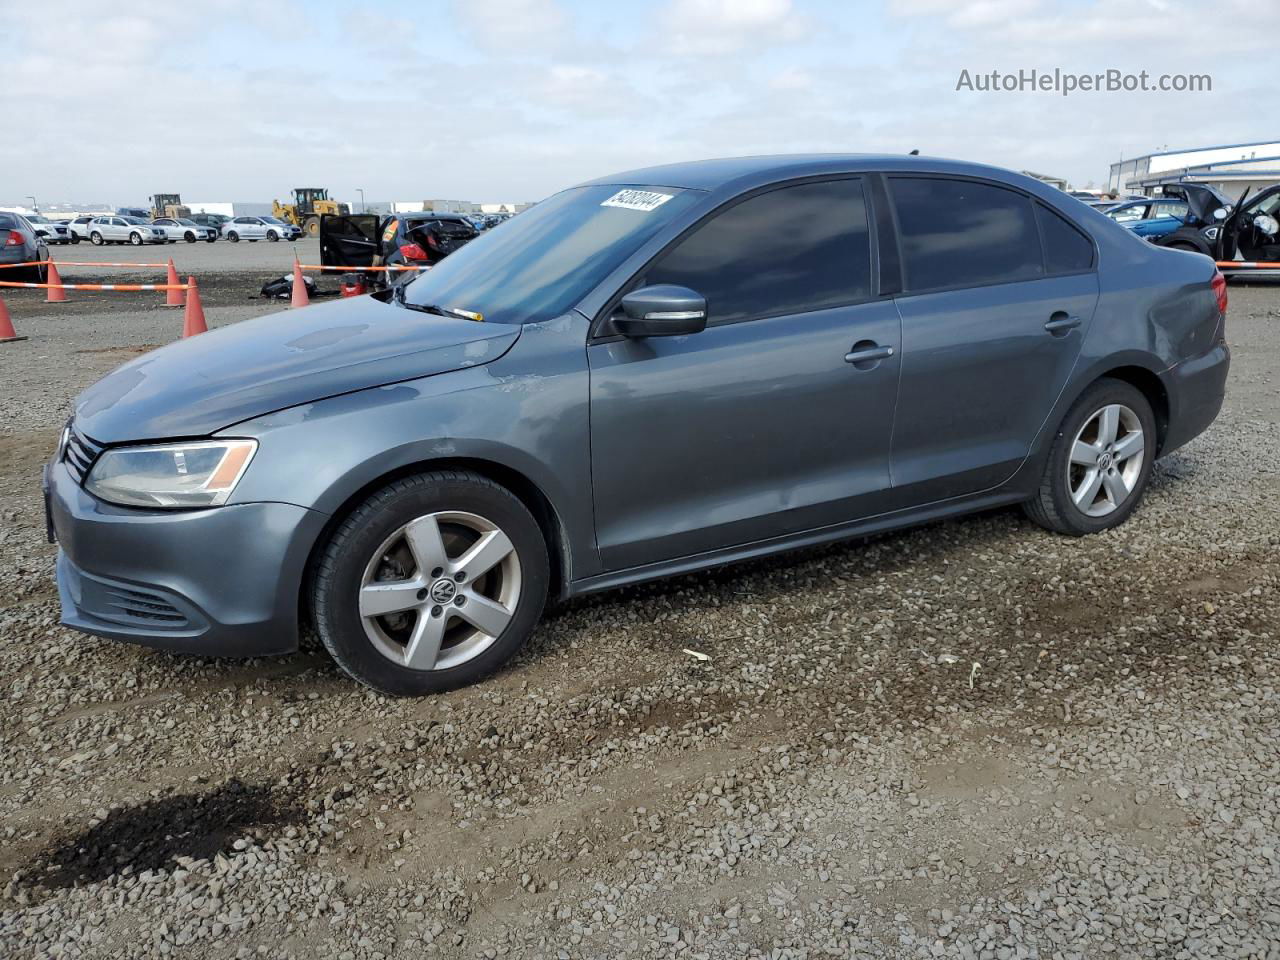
510 100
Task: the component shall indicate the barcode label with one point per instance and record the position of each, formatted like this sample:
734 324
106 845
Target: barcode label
643 200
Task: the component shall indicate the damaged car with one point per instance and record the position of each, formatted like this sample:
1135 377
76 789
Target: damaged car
402 239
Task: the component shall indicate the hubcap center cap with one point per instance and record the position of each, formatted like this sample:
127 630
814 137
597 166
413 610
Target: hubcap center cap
443 590
1104 461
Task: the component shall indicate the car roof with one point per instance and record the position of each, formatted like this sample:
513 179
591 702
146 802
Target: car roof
754 171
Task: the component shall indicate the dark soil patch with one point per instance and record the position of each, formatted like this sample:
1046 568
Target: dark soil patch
122 351
154 834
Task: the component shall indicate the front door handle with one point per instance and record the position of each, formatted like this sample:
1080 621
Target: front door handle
867 353
1060 323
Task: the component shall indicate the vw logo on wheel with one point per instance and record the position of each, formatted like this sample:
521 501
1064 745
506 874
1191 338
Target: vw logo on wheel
443 590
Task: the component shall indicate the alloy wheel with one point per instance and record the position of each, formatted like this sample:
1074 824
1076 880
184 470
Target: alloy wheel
1106 460
440 590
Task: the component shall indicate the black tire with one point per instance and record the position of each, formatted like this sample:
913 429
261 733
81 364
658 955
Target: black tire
1053 507
75 238
96 238
233 237
210 239
340 570
135 239
272 236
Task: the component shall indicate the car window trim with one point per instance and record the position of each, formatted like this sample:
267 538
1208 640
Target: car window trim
594 334
910 175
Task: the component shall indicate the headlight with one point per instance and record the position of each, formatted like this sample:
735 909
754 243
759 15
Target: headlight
172 475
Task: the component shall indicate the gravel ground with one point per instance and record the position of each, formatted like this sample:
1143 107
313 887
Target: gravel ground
974 739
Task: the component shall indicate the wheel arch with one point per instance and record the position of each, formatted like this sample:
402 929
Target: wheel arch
525 490
1149 384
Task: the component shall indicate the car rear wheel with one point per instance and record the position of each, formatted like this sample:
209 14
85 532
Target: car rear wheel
1100 463
432 583
95 238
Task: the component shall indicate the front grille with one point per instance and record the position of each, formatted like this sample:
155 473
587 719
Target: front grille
80 453
140 605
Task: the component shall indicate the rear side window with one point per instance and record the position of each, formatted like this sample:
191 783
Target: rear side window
1066 249
791 250
7 222
957 233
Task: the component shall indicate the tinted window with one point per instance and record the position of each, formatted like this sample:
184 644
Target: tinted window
956 233
791 250
1066 249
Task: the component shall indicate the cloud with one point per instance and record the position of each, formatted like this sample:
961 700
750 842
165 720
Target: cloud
514 27
719 27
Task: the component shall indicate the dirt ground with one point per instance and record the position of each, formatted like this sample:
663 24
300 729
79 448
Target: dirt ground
973 739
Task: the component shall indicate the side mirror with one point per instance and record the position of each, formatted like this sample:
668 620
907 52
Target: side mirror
663 310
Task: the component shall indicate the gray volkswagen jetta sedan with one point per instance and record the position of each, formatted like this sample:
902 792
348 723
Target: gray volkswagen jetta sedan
647 374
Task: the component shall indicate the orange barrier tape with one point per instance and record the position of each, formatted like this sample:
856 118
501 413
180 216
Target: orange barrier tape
81 263
394 266
97 286
1248 264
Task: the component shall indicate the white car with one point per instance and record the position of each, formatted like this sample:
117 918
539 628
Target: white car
120 229
79 228
182 228
52 232
259 228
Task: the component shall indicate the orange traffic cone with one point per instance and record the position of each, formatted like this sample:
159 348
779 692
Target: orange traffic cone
174 298
299 296
56 294
7 332
193 318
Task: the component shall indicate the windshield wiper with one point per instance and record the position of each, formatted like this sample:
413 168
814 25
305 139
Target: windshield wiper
398 298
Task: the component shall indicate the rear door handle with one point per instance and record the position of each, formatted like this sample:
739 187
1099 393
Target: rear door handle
867 353
1060 323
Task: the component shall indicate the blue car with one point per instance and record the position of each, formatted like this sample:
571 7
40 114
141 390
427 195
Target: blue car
1153 218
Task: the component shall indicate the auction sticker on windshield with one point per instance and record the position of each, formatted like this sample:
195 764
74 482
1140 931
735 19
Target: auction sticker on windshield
644 200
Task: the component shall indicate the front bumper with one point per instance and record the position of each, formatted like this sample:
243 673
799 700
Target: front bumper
217 582
1196 389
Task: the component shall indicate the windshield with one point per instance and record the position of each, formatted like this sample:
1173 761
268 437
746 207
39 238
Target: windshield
272 220
545 260
135 220
36 218
188 223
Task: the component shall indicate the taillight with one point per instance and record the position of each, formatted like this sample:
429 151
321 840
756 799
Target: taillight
14 239
411 251
1219 284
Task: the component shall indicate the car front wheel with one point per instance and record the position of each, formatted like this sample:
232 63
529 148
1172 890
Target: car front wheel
95 238
272 236
1100 462
432 583
233 237
135 239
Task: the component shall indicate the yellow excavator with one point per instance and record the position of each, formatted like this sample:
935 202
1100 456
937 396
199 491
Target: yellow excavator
309 204
168 205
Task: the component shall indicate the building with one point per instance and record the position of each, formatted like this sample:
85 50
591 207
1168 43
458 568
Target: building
1059 182
1229 168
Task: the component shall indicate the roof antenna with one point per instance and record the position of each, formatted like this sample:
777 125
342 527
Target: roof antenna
914 153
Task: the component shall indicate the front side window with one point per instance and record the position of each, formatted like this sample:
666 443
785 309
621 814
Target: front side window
959 233
792 250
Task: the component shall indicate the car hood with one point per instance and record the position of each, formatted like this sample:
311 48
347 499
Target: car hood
199 385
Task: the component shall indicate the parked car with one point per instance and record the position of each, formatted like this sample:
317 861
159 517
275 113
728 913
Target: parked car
52 232
1183 217
184 228
259 228
71 234
79 227
215 220
1250 228
19 243
114 229
1150 219
367 239
624 383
